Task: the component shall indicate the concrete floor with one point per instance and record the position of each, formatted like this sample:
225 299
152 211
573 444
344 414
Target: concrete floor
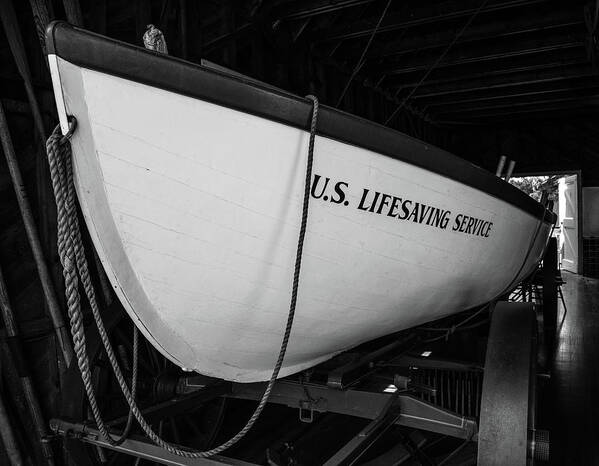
571 402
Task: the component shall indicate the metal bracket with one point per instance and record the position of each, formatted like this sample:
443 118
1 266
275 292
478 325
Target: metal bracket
72 127
306 411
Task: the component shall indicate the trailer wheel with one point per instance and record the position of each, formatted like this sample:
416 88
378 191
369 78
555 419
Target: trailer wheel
507 419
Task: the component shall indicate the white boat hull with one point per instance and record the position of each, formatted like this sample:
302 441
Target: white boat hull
194 210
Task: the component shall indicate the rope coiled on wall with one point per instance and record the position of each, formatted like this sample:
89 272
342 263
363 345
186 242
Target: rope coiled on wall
72 258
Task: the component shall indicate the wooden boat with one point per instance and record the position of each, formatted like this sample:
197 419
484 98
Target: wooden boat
191 182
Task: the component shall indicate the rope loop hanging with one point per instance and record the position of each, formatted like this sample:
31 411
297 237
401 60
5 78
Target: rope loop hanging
75 268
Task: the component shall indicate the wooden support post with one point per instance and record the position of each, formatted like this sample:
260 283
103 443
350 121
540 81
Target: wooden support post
62 335
507 405
550 297
14 344
42 15
8 437
15 41
73 11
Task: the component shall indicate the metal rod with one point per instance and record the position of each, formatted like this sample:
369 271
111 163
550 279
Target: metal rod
510 170
14 343
500 165
352 451
138 448
62 335
8 436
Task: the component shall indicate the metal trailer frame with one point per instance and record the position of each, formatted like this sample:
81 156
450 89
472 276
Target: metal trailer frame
383 408
505 431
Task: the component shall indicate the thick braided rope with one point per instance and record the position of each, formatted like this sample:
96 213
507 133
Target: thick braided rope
83 269
67 259
73 256
129 423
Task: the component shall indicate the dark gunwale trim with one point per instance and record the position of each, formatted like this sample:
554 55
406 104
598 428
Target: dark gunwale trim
96 52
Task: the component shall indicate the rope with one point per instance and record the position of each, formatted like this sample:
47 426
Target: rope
72 257
129 423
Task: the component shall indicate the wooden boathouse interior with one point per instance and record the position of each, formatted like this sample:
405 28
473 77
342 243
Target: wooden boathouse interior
481 79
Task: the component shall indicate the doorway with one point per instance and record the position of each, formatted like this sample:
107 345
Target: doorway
568 223
564 190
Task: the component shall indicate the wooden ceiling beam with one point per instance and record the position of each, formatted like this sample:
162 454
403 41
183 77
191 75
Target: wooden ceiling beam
292 11
559 59
547 22
526 90
476 53
421 15
516 100
547 105
553 75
